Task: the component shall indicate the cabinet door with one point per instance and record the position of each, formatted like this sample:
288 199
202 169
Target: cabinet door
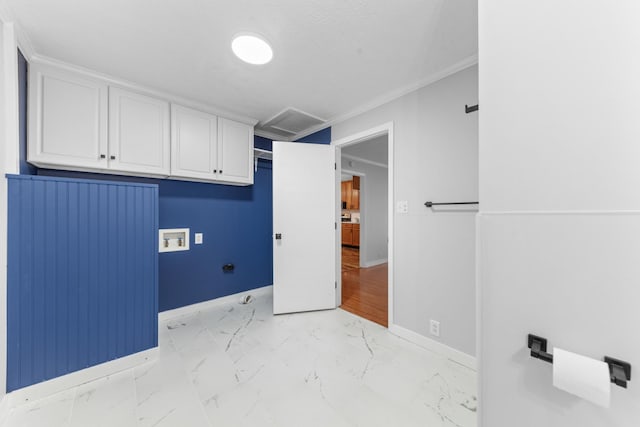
194 143
347 191
356 183
355 237
235 151
67 119
347 234
355 199
138 133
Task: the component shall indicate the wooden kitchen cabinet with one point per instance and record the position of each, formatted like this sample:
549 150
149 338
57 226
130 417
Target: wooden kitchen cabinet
350 195
355 200
350 234
347 233
345 191
356 183
355 235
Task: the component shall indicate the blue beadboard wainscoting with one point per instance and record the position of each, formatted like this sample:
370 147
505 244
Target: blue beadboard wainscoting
82 275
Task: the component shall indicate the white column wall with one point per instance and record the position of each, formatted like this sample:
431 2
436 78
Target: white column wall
559 228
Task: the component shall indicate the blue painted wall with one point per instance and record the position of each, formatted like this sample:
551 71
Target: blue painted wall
236 222
321 137
82 275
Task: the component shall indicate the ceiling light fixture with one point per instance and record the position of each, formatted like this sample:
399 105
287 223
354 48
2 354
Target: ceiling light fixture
252 49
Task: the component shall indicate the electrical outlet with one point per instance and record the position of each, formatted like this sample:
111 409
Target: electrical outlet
198 238
402 206
434 328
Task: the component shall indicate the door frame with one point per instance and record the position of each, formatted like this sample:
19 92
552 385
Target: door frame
363 136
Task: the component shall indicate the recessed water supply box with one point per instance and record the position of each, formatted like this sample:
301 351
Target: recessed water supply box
173 239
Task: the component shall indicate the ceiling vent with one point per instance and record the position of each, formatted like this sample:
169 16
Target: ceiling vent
289 122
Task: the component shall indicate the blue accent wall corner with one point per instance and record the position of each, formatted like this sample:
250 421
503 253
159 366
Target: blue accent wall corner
320 137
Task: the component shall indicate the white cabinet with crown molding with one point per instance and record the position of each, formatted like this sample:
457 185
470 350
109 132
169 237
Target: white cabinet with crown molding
235 151
81 121
139 134
78 122
209 148
194 144
67 120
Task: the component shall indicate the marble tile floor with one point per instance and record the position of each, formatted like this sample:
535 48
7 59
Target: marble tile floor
239 365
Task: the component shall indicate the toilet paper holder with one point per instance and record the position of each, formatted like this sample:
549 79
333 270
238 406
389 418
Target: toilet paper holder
619 370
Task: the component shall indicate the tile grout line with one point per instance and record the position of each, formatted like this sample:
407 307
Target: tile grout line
72 406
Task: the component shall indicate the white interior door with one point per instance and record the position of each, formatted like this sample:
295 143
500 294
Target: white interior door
304 227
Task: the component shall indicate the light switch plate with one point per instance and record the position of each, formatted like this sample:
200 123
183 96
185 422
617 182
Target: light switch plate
402 206
198 238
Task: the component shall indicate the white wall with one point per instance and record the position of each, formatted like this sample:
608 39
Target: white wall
435 158
374 209
559 229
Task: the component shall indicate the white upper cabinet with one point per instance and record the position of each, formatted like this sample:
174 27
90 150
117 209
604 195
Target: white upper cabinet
67 119
210 148
194 144
235 151
138 133
80 121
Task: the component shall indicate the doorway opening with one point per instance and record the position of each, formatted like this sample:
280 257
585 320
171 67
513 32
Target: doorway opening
365 240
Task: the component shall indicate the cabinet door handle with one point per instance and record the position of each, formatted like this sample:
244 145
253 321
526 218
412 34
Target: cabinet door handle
102 156
215 171
220 170
112 157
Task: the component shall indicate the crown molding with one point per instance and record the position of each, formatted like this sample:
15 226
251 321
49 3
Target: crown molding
22 38
26 47
271 136
361 160
393 95
24 44
136 87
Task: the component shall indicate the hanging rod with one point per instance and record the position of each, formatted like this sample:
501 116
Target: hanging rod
430 204
470 109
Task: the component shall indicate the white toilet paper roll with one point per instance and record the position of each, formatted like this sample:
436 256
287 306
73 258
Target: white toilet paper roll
582 376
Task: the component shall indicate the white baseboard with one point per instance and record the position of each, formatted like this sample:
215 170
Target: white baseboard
374 263
65 382
435 346
194 308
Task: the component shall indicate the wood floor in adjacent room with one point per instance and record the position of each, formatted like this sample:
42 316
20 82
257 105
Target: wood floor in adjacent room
364 290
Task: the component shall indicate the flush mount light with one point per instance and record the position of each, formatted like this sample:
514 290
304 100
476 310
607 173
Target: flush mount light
252 49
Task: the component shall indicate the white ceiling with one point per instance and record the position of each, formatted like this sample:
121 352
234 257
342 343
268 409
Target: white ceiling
331 57
373 150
